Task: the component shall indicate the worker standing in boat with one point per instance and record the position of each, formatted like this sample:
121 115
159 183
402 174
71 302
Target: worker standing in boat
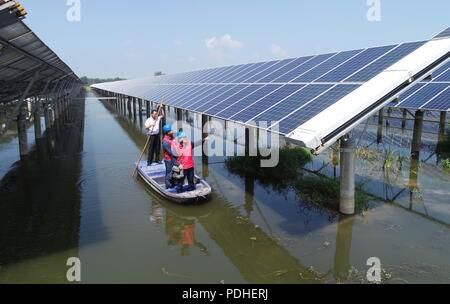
182 148
169 158
152 125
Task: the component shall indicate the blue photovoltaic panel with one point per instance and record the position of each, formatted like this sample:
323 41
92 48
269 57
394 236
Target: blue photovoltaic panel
169 91
221 72
440 103
444 77
258 69
413 89
354 64
249 89
326 66
268 71
210 102
244 69
444 34
424 95
189 103
303 68
294 64
186 94
234 70
184 90
293 103
384 62
296 119
245 102
442 69
208 95
265 103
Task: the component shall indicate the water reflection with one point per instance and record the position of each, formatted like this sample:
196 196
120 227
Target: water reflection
40 204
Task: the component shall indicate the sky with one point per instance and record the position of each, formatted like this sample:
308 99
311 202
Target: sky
135 38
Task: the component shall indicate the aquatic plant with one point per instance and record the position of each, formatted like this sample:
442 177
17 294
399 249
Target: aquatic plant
291 161
446 164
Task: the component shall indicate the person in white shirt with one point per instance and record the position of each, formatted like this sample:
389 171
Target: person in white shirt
152 125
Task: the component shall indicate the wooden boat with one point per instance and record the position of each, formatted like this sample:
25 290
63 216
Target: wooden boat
154 176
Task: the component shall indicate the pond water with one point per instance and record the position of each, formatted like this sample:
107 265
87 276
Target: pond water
73 197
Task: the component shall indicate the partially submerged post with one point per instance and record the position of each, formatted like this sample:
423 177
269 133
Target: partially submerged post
149 110
442 121
380 127
347 193
417 134
22 130
205 152
37 119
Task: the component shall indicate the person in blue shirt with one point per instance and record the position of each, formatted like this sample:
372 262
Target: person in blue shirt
170 159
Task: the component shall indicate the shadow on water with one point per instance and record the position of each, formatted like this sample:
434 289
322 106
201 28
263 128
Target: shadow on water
40 204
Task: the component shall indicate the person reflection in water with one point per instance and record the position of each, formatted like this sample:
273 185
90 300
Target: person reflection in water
181 232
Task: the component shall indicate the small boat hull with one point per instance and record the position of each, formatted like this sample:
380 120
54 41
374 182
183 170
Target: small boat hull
154 176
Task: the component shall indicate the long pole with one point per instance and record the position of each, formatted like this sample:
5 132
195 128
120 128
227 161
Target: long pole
148 141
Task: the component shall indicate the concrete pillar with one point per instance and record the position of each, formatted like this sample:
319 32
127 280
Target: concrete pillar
417 134
140 107
179 114
22 129
37 119
380 127
205 134
251 141
442 121
347 193
134 107
149 109
405 114
48 123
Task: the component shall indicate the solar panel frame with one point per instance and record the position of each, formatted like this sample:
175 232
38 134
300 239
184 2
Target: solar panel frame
255 71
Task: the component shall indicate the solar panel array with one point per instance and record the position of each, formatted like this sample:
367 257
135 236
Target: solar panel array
432 95
283 93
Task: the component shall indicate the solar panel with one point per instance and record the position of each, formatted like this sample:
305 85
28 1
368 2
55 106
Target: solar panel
245 102
292 103
299 70
385 61
309 98
358 62
231 90
287 68
444 34
440 102
269 71
265 103
326 66
444 76
423 95
215 109
314 107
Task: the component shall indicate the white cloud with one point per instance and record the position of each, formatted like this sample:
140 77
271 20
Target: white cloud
278 51
220 43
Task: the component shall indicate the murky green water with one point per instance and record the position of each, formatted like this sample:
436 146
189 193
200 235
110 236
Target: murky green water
74 197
